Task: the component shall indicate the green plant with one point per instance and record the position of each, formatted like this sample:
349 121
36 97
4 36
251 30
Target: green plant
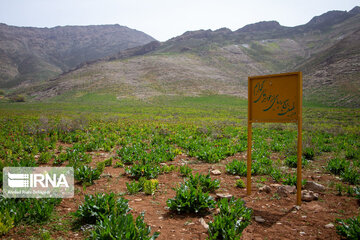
232 219
237 168
240 183
167 168
45 157
134 187
351 175
108 162
148 171
291 180
17 98
291 161
204 182
185 170
349 228
337 165
189 199
339 188
309 153
277 175
86 174
123 227
6 221
98 206
150 186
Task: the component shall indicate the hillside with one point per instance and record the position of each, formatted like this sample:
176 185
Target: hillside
219 62
33 54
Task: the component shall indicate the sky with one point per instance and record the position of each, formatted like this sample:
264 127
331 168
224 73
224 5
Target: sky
164 19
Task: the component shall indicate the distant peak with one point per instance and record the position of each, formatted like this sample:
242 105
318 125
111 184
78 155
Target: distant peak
355 10
261 26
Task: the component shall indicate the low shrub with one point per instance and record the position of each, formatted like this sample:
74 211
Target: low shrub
204 182
149 171
150 186
240 183
291 161
351 175
349 228
237 168
232 219
6 222
98 206
337 165
189 199
123 227
86 174
185 170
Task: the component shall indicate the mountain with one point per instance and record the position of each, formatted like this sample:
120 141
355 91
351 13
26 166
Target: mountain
218 62
30 54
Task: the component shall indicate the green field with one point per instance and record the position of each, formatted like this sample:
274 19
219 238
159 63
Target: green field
144 137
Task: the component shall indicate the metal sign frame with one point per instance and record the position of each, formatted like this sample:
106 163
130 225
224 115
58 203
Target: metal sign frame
275 98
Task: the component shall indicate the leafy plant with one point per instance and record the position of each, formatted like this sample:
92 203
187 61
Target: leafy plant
185 170
86 174
189 199
240 183
6 222
134 187
148 171
204 182
277 175
233 218
237 168
309 153
349 228
150 186
291 161
337 165
123 227
98 206
291 180
351 175
45 157
108 162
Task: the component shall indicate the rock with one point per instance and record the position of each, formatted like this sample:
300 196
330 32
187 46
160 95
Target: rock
290 189
275 185
314 186
297 207
203 223
237 177
137 199
223 195
302 233
265 188
216 172
309 196
330 225
282 192
259 219
217 210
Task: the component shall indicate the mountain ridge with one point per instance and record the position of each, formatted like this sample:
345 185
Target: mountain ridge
52 51
219 62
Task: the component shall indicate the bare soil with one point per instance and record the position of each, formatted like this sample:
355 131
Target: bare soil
282 219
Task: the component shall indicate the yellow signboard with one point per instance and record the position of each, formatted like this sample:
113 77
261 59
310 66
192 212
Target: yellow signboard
274 98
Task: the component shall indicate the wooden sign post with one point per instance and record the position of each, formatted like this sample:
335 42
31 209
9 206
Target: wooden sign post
275 98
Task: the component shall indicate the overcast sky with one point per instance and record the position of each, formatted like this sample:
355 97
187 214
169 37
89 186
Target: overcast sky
164 19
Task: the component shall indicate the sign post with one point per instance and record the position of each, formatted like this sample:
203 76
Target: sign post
275 98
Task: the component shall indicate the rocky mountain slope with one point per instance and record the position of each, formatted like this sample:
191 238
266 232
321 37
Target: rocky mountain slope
219 62
33 54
